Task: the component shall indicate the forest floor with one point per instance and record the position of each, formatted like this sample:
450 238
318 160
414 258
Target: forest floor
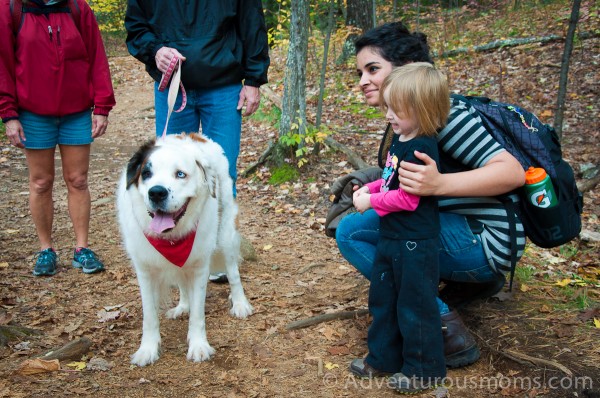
538 341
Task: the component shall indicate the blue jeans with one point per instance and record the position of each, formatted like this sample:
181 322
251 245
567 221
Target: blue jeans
213 110
462 257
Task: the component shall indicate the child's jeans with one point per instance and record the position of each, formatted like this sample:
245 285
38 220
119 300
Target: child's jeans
406 333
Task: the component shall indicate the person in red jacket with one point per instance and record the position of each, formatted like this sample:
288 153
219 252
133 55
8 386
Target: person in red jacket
55 89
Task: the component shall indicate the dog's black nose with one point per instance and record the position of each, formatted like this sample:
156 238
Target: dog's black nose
158 193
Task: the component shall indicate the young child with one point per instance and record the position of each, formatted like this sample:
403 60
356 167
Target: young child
405 338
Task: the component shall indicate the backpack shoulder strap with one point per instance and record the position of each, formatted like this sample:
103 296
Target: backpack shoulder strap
16 11
75 13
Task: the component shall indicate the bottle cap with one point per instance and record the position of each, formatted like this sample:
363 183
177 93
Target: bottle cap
534 175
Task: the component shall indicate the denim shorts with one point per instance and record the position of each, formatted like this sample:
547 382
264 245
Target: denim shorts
44 132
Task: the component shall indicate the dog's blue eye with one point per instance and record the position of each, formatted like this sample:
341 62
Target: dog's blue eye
146 174
181 174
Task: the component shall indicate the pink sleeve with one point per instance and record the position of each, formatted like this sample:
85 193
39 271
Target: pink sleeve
374 186
385 203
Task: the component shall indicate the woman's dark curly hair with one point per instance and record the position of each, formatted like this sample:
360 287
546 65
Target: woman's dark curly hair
395 44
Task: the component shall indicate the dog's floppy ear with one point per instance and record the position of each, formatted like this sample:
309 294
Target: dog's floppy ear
134 167
210 178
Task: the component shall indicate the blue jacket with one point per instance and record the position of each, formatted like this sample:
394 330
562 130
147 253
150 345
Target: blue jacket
224 41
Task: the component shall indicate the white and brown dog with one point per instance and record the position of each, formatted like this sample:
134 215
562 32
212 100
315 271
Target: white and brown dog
177 217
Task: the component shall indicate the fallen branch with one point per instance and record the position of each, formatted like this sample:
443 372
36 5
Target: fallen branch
525 359
588 184
302 323
73 350
353 158
15 332
262 159
509 43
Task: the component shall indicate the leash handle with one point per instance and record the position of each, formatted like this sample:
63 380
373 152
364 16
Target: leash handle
174 66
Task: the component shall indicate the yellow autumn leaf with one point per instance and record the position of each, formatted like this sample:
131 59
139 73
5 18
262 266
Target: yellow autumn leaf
597 323
564 282
545 309
267 247
4 265
330 366
77 365
525 288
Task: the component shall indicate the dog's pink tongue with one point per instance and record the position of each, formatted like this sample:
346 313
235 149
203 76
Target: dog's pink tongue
161 222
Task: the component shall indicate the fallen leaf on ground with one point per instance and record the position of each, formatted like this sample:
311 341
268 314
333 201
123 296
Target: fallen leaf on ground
339 350
330 366
564 282
106 316
545 309
588 314
77 365
35 366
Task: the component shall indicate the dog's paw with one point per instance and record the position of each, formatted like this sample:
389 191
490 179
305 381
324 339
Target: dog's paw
200 351
145 356
178 311
240 308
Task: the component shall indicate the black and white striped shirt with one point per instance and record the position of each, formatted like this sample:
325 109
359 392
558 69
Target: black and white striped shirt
464 145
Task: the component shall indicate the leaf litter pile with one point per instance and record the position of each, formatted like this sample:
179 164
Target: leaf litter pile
72 334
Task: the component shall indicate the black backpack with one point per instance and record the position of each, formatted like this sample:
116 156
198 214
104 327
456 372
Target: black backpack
17 9
535 144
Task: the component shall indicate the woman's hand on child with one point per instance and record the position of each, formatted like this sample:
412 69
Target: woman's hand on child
422 180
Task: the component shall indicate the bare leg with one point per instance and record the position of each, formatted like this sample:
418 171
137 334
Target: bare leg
76 163
41 179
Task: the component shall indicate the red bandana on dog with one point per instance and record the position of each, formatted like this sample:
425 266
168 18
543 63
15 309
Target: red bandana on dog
177 252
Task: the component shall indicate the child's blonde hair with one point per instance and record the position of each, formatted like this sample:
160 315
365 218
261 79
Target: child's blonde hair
421 89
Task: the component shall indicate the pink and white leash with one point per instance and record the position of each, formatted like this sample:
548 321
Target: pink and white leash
174 66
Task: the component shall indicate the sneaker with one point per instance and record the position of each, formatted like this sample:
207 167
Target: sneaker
87 260
45 263
218 277
363 370
410 385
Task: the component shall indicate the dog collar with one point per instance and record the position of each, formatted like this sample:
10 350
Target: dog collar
176 252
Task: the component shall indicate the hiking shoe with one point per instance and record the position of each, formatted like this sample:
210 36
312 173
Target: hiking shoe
87 260
410 385
45 263
460 348
218 277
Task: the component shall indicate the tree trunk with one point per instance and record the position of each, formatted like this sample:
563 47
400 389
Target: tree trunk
360 16
293 110
330 25
564 71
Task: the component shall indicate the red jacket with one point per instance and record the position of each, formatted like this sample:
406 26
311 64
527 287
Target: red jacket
56 73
